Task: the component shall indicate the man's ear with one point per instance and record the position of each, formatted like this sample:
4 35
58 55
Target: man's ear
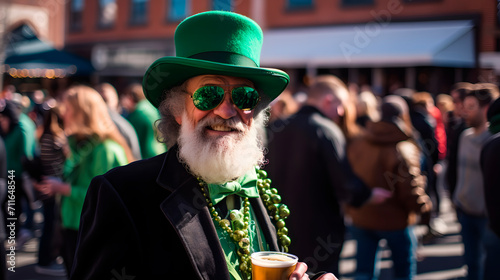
340 110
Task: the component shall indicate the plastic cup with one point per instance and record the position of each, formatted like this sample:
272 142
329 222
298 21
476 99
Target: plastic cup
269 265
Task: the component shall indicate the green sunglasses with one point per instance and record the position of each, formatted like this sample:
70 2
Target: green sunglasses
209 97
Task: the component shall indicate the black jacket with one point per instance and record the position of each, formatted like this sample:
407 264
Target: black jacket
490 161
455 129
149 220
305 158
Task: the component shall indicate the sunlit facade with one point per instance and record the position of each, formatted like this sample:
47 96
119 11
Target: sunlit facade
121 38
143 31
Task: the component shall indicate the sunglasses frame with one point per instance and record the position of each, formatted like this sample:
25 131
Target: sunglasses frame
222 99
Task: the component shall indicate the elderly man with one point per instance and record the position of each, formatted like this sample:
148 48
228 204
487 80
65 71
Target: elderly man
194 212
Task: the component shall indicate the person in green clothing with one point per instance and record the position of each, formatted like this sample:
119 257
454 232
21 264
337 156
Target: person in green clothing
142 115
96 146
28 126
19 138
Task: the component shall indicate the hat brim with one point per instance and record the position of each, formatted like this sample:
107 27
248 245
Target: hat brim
168 72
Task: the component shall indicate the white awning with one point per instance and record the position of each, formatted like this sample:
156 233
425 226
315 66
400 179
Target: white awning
374 44
490 60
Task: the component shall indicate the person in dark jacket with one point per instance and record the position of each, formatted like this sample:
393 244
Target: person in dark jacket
54 150
455 126
4 183
490 161
425 137
194 212
306 154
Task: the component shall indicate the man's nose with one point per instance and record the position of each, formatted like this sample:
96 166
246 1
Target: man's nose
226 109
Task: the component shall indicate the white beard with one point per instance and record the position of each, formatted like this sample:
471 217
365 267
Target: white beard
217 160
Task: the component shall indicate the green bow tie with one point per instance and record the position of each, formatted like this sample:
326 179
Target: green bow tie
245 186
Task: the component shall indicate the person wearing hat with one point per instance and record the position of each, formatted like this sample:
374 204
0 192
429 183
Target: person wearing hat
194 212
387 156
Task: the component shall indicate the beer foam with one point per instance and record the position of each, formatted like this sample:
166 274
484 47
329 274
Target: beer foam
273 260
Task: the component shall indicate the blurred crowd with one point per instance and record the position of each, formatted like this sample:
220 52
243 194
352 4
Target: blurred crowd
383 161
417 145
53 147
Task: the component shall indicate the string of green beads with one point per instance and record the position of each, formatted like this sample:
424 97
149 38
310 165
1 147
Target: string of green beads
278 211
237 228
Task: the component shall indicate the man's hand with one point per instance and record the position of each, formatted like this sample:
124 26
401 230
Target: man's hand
300 273
51 186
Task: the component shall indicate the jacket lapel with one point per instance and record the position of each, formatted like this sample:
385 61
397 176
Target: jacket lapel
186 210
265 223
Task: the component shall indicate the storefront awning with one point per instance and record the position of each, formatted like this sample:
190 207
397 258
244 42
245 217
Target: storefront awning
28 56
374 44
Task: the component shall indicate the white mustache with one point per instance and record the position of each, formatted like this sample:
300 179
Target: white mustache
219 124
220 128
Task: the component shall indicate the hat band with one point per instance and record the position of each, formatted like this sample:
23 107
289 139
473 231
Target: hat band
226 58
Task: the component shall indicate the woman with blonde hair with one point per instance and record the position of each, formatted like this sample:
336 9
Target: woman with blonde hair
96 146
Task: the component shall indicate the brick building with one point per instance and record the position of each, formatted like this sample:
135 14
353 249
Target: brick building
41 22
427 45
423 44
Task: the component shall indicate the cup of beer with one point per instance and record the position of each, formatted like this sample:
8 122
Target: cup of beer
269 265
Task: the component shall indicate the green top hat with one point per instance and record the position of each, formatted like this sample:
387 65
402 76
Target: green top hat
217 43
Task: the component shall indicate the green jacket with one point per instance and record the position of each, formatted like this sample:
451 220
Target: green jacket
88 159
19 143
143 119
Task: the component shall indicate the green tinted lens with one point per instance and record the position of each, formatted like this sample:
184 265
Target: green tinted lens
245 98
208 97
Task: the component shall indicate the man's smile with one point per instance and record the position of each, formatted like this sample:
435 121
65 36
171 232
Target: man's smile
220 127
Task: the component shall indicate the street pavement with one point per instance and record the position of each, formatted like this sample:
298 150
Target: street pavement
439 259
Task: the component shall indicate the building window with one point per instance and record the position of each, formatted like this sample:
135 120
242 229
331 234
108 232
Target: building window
498 13
300 4
107 13
178 10
498 26
221 5
75 17
139 12
357 2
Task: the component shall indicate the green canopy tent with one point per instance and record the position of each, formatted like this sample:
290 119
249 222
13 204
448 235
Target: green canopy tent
28 56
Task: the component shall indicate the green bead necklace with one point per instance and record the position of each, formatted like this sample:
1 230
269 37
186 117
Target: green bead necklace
237 228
